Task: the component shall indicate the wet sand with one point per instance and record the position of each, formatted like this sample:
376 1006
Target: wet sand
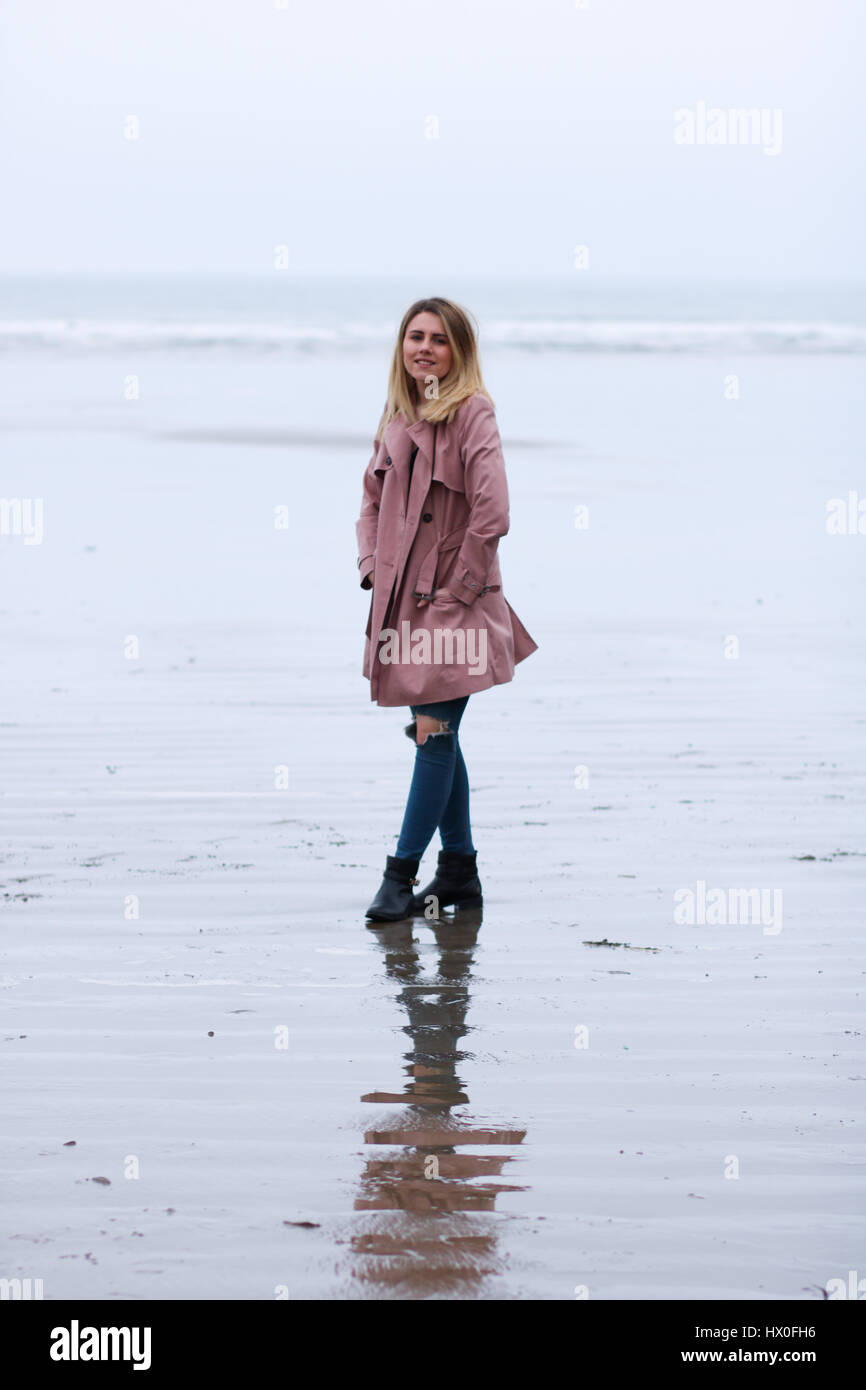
578 1096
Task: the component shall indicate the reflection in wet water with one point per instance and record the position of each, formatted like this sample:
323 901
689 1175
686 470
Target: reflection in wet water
432 1246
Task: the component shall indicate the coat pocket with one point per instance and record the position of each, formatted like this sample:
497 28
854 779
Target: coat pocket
438 562
448 602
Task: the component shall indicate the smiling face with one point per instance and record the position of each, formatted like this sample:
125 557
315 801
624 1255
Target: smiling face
426 350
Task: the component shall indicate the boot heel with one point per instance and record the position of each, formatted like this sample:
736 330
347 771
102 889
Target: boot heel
466 904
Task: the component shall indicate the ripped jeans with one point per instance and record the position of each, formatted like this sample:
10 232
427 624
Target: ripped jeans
439 794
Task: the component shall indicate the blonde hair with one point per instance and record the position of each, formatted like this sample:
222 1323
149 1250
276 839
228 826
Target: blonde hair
463 379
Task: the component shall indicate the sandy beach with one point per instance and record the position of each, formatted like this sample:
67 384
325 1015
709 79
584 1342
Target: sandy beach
219 1084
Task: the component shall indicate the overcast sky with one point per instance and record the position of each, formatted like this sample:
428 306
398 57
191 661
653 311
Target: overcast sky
307 126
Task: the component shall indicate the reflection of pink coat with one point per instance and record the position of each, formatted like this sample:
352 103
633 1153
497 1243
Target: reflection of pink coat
442 533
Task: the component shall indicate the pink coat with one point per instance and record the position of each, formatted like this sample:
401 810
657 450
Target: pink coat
443 533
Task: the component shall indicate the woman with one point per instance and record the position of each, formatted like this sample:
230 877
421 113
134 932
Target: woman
435 503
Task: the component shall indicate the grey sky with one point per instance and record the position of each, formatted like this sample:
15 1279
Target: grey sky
305 126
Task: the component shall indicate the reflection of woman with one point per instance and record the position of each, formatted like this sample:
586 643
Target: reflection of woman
435 503
422 1161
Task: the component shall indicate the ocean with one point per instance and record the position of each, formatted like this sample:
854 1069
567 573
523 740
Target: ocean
283 313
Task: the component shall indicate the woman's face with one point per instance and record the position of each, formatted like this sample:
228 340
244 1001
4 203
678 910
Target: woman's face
426 351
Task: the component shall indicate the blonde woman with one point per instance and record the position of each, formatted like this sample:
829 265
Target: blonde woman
435 503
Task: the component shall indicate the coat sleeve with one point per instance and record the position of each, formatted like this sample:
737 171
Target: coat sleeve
368 522
487 495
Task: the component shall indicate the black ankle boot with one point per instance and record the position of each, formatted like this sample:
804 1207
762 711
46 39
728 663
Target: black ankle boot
393 902
456 884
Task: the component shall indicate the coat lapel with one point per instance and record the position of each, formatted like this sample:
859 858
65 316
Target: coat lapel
399 439
421 433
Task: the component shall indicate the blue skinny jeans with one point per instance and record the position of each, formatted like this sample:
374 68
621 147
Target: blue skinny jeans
439 794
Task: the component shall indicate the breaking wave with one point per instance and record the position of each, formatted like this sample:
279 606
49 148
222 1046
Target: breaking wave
532 335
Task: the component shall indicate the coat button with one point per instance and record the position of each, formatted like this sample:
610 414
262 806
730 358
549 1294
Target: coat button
387 460
428 516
